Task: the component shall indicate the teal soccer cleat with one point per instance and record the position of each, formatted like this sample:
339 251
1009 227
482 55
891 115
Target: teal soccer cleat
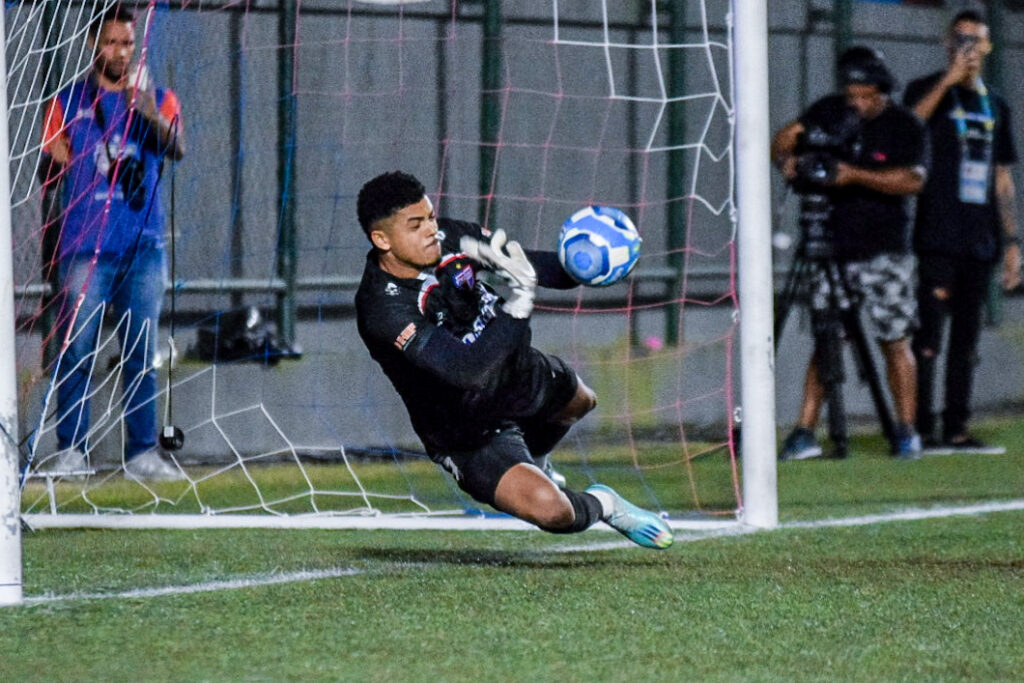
638 525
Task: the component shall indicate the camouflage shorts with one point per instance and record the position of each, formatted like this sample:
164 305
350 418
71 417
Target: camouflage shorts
886 287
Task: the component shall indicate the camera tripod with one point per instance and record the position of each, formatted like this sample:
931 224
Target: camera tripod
839 320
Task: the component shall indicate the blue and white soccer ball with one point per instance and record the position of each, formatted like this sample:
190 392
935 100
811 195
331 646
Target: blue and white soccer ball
599 246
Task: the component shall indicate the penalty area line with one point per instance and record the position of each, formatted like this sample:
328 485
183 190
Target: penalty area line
207 587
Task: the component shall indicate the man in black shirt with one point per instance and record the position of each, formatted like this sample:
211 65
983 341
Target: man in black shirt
883 160
484 402
966 223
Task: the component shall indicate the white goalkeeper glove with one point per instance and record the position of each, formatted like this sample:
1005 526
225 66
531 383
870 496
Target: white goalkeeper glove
509 261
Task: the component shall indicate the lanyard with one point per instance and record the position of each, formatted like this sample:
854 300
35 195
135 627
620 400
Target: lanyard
961 116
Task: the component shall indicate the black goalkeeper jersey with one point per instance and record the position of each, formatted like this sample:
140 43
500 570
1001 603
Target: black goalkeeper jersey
459 362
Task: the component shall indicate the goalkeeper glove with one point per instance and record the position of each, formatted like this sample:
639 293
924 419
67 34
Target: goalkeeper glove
509 261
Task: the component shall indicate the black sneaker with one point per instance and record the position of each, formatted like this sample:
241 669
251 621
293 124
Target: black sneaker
965 443
800 445
932 446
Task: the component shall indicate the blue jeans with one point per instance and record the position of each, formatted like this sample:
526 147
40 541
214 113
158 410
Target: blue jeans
132 287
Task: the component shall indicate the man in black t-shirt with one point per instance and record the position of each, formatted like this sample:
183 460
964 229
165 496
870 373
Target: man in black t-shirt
882 155
966 223
485 403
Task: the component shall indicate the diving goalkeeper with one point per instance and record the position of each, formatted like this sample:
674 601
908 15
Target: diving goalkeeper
486 405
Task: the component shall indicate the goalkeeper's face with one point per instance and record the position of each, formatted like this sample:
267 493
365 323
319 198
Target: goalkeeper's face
407 240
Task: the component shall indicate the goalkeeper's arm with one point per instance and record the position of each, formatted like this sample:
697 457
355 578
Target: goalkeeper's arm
468 366
550 273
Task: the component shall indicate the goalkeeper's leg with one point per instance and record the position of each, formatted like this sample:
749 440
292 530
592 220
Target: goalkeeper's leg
502 474
524 491
556 417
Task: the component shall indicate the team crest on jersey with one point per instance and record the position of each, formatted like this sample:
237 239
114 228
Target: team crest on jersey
463 277
405 336
391 289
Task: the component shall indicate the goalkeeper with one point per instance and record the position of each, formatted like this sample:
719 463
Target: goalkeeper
486 405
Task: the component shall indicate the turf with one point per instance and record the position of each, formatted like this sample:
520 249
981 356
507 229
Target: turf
935 599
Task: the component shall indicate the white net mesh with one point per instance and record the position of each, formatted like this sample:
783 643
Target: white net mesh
515 123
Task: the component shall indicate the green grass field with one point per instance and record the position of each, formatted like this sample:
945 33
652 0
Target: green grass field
932 599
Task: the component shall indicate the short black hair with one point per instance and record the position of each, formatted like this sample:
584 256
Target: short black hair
971 15
386 194
115 13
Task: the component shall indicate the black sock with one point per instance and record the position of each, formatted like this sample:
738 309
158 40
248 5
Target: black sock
588 512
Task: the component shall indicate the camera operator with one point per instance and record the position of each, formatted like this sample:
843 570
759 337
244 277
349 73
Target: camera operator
872 159
106 137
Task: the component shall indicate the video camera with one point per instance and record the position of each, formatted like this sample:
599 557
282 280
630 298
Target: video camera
819 152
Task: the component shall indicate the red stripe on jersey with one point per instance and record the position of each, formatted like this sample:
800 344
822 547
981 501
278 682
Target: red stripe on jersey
449 259
422 304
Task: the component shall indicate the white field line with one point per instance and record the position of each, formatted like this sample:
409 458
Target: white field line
233 584
739 529
718 530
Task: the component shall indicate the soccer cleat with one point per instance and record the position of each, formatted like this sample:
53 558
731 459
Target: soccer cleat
638 525
149 466
800 445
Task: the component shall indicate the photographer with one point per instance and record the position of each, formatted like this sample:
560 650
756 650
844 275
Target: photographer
105 139
860 156
966 224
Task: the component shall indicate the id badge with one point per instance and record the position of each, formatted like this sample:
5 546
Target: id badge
973 182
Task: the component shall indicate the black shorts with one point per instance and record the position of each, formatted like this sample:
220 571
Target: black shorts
478 471
542 387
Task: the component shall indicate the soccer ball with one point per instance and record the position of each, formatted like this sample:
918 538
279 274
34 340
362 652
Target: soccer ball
599 246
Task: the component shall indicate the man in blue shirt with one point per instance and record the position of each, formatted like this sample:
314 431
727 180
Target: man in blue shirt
107 136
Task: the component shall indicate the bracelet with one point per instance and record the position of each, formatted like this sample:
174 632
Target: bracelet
1012 239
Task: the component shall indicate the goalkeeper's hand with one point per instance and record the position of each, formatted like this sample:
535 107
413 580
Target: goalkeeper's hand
509 261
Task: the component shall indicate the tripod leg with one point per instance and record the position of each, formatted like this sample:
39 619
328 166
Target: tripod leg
784 302
828 352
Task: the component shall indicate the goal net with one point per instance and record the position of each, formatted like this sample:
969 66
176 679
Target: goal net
514 115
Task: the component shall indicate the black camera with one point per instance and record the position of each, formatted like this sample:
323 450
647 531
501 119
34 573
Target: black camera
131 174
819 152
818 155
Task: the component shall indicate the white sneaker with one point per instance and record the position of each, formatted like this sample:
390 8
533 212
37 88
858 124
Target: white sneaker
150 466
66 463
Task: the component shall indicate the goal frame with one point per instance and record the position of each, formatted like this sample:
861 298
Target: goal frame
749 63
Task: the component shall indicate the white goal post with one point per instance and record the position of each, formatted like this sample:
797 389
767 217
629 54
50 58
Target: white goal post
753 200
10 489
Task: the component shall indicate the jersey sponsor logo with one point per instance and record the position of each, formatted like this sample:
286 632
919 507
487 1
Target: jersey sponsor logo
405 336
391 289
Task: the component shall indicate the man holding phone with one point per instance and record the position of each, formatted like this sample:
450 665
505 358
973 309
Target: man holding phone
966 223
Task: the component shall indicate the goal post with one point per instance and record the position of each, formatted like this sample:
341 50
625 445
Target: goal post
10 488
753 204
